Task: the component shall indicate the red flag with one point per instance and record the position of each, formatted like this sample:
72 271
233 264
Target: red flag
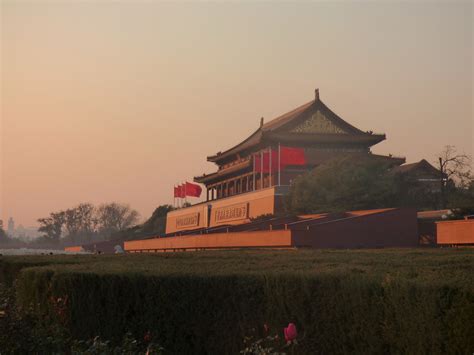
192 190
288 156
177 191
291 156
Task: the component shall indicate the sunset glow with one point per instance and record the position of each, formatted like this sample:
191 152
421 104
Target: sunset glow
118 102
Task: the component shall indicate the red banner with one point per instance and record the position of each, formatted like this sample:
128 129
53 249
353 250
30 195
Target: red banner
193 190
288 156
292 156
179 191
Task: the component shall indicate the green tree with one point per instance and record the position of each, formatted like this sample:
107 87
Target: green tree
461 199
3 235
157 222
345 184
52 226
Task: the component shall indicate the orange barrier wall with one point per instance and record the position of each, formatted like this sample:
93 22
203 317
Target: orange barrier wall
455 232
281 238
106 246
74 248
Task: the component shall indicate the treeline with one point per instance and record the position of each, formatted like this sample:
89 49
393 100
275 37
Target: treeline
87 223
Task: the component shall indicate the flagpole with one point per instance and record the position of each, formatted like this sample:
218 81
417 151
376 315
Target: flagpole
253 171
279 165
270 156
185 195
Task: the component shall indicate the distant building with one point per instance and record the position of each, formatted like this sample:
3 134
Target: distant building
11 227
26 233
422 172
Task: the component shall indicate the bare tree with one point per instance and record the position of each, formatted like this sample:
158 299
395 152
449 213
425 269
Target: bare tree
80 220
85 222
455 169
455 166
114 217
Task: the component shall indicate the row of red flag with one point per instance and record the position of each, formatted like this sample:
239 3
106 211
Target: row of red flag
187 189
267 161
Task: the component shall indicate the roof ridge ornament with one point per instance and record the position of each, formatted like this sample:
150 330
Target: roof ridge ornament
261 122
316 94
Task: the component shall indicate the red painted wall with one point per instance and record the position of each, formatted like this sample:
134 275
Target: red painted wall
390 228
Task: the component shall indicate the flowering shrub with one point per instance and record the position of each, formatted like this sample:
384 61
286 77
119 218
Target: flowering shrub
290 333
263 346
129 345
271 344
22 334
59 307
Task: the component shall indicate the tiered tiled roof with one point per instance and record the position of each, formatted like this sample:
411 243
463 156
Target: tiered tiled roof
311 123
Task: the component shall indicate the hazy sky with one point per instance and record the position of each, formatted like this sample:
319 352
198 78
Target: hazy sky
117 101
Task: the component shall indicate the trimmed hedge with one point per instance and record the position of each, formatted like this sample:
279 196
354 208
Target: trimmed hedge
10 266
370 302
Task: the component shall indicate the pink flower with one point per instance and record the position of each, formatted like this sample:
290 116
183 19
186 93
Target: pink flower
290 332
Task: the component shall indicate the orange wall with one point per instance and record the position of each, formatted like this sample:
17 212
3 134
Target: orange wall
259 203
455 232
222 240
174 218
254 204
75 248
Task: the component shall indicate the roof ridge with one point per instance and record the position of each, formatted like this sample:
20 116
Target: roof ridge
289 113
340 121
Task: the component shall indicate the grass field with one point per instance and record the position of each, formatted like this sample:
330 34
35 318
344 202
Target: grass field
371 301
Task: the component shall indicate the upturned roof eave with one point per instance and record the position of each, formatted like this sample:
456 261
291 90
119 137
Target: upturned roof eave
256 136
222 173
